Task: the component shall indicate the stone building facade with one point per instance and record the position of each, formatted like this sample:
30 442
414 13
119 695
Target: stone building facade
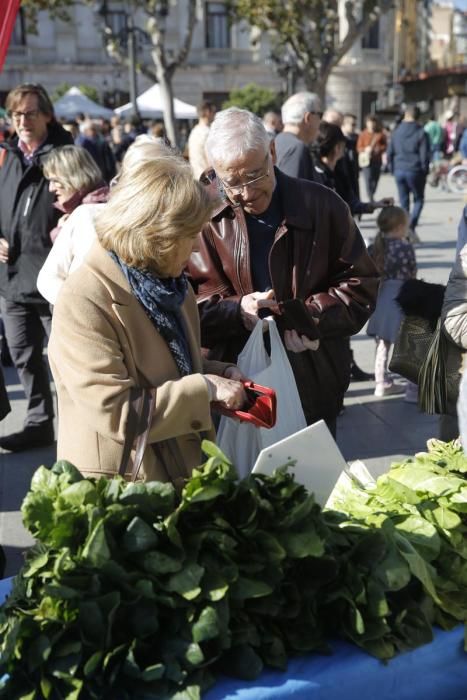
222 57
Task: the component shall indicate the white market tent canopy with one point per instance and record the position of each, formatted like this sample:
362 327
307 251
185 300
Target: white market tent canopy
150 106
73 102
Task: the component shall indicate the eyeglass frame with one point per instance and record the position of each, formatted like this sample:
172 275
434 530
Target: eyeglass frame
32 114
235 190
318 114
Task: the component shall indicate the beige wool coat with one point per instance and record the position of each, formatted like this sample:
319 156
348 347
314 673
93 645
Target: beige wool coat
102 344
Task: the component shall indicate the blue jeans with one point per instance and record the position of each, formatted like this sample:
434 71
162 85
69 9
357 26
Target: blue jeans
411 182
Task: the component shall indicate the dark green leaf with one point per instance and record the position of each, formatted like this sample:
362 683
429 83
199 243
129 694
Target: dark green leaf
207 625
139 536
96 550
187 581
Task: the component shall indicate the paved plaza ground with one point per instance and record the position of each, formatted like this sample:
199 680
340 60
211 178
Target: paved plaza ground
378 431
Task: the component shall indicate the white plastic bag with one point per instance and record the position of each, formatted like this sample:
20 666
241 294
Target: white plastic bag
242 442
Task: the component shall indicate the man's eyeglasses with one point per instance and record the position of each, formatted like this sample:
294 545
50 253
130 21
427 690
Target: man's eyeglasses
238 189
32 114
318 114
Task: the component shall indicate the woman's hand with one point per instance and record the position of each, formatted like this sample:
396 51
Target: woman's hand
227 392
385 202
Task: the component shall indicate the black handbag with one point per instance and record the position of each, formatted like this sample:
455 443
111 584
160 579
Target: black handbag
411 347
421 303
422 353
432 361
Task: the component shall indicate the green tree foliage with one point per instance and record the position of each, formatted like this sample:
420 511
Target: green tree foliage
253 97
149 19
309 36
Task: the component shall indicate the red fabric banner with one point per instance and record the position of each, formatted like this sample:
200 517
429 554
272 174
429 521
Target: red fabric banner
8 11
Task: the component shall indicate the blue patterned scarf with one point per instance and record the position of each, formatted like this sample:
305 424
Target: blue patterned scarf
162 299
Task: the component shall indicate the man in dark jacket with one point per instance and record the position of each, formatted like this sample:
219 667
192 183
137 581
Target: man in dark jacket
275 238
26 218
409 161
98 148
301 115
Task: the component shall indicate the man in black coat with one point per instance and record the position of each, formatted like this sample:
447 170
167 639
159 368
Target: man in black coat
409 162
26 218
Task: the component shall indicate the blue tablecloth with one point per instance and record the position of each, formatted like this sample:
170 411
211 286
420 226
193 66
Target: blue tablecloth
436 671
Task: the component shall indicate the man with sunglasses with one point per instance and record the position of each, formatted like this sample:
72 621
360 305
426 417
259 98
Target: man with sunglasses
275 238
26 217
301 115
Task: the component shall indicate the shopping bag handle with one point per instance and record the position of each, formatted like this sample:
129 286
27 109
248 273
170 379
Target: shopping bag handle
261 408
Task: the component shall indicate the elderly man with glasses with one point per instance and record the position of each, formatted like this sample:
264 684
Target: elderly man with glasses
27 215
275 238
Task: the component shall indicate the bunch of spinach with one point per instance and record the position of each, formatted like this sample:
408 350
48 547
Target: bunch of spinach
421 507
133 592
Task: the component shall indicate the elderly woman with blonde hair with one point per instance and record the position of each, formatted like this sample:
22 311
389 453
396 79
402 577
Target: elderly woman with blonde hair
126 324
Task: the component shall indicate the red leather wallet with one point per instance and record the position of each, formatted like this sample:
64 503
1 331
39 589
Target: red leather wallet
260 409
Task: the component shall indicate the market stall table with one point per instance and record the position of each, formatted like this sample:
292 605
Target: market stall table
436 671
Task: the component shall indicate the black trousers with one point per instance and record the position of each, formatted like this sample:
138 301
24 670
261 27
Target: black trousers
26 326
371 175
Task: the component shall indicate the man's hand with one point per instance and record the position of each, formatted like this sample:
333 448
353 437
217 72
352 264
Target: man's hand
228 392
251 303
4 247
233 372
299 343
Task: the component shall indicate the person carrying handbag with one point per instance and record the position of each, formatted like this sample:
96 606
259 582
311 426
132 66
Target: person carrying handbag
454 325
371 145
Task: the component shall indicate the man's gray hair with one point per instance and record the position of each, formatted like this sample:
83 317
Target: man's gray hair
295 108
233 133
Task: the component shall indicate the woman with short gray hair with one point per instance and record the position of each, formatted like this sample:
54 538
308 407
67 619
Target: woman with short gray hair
74 178
78 233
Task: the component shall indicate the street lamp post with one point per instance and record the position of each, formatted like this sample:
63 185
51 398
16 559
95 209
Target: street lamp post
127 36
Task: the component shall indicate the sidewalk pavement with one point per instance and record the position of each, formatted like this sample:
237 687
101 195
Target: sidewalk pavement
378 431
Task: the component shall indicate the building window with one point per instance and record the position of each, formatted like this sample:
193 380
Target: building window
217 26
116 19
370 40
368 104
18 36
217 98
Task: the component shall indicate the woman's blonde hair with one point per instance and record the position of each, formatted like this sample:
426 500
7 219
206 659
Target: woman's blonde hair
155 204
146 147
388 219
74 167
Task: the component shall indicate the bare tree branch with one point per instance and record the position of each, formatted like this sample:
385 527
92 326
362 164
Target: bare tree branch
186 41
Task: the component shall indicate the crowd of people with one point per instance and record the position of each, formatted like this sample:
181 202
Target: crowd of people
176 258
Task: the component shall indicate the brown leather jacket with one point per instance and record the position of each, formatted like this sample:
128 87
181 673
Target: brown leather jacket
318 255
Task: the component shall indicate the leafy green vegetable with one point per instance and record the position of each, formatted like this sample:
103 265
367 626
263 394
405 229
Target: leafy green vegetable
133 591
